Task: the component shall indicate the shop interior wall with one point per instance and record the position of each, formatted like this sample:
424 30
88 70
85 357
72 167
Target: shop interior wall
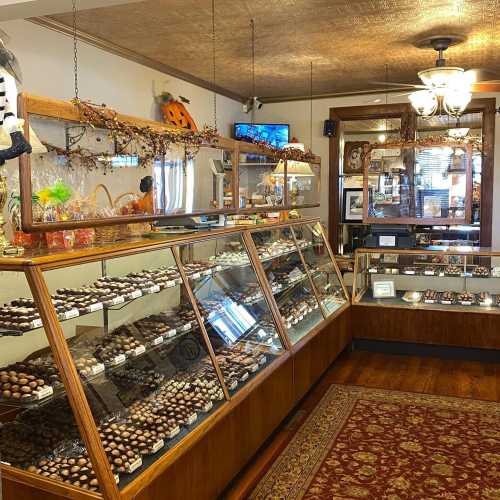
46 59
297 114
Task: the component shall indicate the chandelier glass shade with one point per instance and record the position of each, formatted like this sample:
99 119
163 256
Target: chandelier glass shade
448 90
425 102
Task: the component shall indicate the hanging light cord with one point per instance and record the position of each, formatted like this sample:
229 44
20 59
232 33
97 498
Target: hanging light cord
213 64
311 110
75 53
252 24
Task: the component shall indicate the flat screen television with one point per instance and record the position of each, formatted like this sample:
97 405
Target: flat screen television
276 134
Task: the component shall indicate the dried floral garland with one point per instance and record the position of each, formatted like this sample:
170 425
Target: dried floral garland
436 140
288 154
147 142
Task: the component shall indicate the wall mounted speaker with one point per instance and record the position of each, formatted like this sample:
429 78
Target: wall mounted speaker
329 128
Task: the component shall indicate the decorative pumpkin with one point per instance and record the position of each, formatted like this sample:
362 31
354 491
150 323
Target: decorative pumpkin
175 113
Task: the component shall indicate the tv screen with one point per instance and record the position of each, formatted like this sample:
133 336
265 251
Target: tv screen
275 134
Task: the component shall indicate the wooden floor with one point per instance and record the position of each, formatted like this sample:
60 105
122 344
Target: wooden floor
465 379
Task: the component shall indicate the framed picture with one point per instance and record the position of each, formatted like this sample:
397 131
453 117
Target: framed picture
352 209
354 153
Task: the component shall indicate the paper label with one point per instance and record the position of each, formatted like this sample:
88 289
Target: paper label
36 323
446 302
186 327
117 478
96 369
173 432
409 272
373 271
208 272
157 341
253 368
152 289
301 317
232 386
429 273
466 303
44 392
134 466
208 406
157 446
139 350
171 333
117 300
244 376
170 284
263 359
191 419
117 360
135 294
95 307
429 301
72 313
178 281
195 276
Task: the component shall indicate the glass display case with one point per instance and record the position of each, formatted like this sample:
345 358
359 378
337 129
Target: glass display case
112 356
451 279
418 184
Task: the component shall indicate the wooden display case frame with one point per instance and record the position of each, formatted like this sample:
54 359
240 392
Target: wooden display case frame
63 110
466 219
34 267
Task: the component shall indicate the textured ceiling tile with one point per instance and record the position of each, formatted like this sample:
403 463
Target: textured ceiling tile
349 41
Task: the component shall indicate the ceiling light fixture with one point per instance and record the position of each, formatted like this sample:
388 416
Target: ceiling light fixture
446 89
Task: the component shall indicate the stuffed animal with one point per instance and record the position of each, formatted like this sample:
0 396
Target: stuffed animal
175 113
9 74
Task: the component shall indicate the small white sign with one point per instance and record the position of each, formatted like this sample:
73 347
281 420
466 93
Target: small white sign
157 341
157 446
117 300
384 289
72 313
134 466
95 307
195 276
97 368
152 289
135 294
36 323
191 419
118 360
171 333
139 350
170 284
44 392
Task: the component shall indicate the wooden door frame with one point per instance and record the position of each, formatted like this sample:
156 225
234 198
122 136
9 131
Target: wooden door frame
486 106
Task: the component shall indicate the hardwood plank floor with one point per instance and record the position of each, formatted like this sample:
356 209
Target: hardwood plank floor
466 379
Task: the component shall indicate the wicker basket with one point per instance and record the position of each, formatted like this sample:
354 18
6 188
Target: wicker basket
132 230
105 234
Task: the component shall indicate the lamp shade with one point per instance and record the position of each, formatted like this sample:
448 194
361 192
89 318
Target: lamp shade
441 78
294 169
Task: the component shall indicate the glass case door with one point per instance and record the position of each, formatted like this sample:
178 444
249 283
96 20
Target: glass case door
278 251
236 315
321 267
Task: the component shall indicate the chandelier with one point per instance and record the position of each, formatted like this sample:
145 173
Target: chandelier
446 89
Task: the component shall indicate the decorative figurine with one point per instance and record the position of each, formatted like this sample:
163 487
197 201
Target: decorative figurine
174 111
9 74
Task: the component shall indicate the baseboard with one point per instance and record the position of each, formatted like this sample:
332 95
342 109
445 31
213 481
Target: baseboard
433 351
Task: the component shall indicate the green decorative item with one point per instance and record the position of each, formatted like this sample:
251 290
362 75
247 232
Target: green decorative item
60 193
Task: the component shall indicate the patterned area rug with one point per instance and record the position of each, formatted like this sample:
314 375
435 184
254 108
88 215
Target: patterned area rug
377 444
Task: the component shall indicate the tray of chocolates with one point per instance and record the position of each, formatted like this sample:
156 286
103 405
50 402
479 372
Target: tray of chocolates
453 270
485 299
430 296
430 270
465 298
481 272
77 471
447 298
